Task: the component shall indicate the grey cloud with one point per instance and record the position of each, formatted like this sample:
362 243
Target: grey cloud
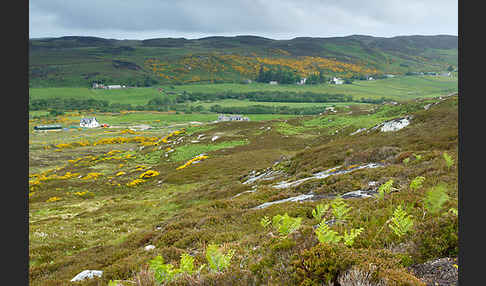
270 18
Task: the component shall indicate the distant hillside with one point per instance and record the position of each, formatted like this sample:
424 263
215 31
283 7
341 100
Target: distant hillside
78 61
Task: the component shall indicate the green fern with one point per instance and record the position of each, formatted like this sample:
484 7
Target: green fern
217 260
435 198
417 183
265 221
406 160
187 264
340 209
453 211
418 157
401 222
349 238
319 211
448 159
163 273
385 189
285 225
326 235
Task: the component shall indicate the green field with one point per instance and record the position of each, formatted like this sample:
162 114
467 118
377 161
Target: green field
399 88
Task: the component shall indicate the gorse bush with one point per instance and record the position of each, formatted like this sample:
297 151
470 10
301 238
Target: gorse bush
217 260
417 183
435 198
285 224
319 211
401 222
340 209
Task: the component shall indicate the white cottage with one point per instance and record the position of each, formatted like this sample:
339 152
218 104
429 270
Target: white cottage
336 80
89 122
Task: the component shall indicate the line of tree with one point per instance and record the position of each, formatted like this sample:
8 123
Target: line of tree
267 96
166 103
283 76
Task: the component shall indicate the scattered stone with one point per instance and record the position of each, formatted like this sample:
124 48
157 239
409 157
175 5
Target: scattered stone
393 125
358 131
359 194
292 199
149 247
214 138
87 274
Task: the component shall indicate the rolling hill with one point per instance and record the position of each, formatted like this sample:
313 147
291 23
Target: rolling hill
78 61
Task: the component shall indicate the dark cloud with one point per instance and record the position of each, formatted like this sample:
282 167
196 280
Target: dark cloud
143 19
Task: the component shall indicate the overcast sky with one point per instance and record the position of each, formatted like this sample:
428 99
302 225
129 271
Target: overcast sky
275 19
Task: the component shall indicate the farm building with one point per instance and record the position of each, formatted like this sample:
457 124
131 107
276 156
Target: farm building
98 85
48 127
232 118
273 82
89 122
302 81
336 80
116 86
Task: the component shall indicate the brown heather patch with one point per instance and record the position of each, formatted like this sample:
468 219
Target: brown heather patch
194 207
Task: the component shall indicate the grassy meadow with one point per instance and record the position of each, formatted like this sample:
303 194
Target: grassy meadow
98 197
399 88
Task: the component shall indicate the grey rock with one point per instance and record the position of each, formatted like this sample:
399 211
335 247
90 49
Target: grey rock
87 274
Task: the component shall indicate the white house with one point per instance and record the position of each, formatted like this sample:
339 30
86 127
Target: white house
116 86
336 80
273 82
222 117
98 85
371 78
302 81
89 122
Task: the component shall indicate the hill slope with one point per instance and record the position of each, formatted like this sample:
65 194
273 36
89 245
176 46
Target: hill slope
98 202
77 61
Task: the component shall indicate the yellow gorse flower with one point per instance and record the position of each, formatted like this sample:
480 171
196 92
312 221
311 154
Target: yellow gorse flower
92 176
53 199
198 158
135 182
149 174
